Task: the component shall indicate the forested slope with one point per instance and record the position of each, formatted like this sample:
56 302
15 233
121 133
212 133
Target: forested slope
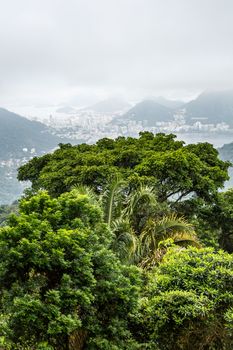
122 245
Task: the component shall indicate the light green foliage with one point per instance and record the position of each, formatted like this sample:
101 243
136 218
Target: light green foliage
188 301
59 281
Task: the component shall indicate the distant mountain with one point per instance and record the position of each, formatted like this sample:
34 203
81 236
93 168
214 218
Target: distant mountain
20 139
211 107
149 112
18 134
173 104
110 105
226 153
66 110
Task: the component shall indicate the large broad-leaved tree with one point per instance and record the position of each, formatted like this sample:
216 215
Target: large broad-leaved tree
177 170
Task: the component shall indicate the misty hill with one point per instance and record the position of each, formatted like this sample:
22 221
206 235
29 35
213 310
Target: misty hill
18 133
226 153
110 105
173 104
20 139
66 110
211 107
149 111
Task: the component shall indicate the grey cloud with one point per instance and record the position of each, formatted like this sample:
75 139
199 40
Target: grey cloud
53 49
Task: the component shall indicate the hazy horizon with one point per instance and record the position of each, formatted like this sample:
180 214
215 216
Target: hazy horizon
58 52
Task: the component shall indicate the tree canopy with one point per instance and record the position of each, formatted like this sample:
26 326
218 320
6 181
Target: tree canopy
177 170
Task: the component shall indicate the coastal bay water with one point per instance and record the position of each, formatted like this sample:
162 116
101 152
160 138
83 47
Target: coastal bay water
216 139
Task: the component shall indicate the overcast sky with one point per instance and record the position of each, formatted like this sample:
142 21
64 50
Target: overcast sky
54 51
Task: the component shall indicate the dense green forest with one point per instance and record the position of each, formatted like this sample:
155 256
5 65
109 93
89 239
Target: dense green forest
121 245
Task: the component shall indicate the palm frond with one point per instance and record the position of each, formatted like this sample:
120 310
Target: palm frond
186 239
109 198
145 195
172 226
148 262
139 206
125 243
86 190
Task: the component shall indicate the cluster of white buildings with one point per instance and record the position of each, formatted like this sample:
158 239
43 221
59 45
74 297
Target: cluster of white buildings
82 125
88 126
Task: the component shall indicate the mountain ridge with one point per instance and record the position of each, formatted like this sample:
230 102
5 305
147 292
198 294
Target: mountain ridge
149 111
110 105
214 106
18 133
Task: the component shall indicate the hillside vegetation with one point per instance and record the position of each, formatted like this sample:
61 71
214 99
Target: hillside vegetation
121 245
18 133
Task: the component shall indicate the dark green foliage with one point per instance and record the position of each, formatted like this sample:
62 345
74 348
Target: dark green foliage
59 281
177 170
220 219
17 132
213 221
188 302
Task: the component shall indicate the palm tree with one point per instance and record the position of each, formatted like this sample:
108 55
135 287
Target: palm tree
141 224
126 213
159 234
140 205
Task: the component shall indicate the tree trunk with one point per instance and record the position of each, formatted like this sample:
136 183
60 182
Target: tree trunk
77 340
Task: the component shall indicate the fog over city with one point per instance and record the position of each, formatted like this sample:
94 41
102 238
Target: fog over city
82 51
